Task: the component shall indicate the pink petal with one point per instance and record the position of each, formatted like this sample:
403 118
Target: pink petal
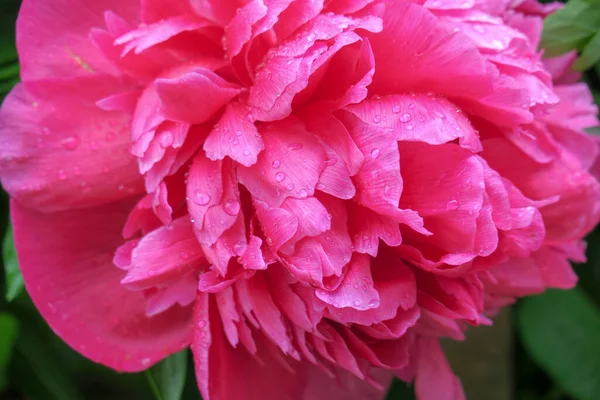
313 218
419 118
48 50
278 224
234 136
194 97
164 255
92 311
290 165
52 158
356 290
426 56
432 366
367 227
213 198
379 181
147 36
239 30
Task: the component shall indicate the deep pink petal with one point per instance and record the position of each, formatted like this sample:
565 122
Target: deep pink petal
92 311
48 50
60 150
432 366
290 165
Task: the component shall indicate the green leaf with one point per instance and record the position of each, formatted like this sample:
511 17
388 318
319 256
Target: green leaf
593 131
561 331
167 378
570 28
8 335
590 54
400 391
45 366
14 279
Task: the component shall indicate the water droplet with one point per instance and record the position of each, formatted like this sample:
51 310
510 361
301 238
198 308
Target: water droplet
71 143
280 176
246 152
355 286
320 186
303 194
329 217
373 303
290 186
232 207
396 109
357 303
294 146
238 133
411 106
377 118
375 153
330 161
409 127
405 118
62 175
201 324
235 142
276 164
452 205
202 199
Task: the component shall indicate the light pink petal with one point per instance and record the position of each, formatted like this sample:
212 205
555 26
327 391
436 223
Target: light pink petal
356 290
72 251
230 243
235 136
560 68
194 97
419 118
147 36
432 366
290 165
229 315
60 150
576 110
156 10
164 255
295 15
48 50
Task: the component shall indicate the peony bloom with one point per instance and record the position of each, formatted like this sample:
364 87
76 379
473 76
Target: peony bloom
309 193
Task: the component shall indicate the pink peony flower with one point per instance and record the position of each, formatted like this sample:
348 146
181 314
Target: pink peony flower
309 193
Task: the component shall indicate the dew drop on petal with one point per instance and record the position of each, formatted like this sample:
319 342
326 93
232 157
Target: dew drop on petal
280 176
71 143
202 199
405 118
232 207
375 153
276 164
377 118
452 205
396 109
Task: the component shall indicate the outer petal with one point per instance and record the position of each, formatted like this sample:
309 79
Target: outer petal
60 150
65 259
435 380
52 37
